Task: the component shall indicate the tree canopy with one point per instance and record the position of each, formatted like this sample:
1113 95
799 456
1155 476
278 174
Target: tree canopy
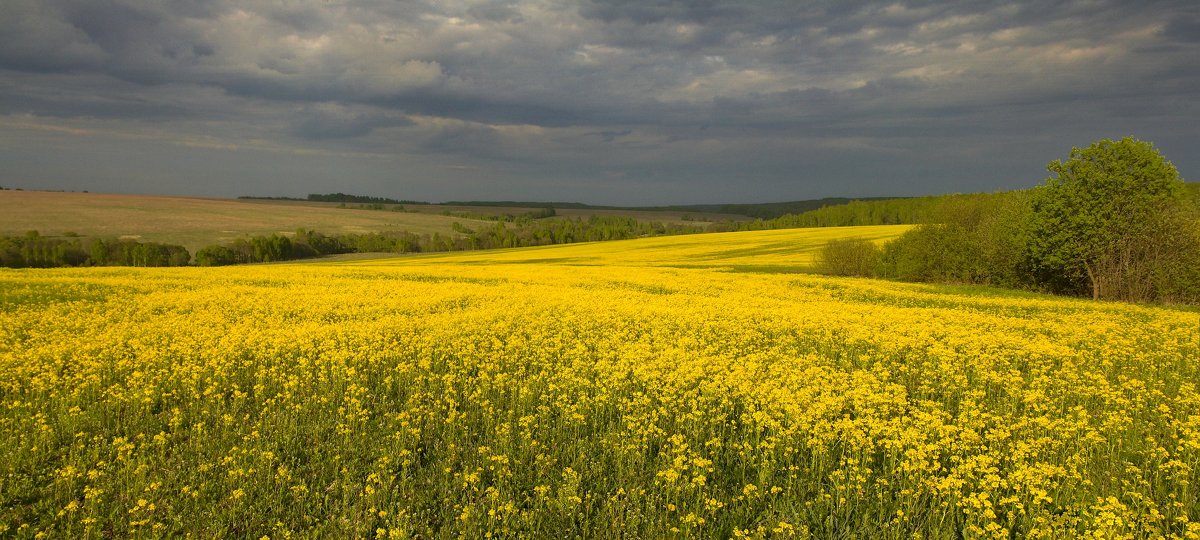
1099 204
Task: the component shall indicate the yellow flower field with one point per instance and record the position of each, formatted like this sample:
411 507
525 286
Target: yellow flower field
650 388
775 250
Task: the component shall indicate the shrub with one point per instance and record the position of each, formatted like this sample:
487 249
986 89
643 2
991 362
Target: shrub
932 253
216 256
849 257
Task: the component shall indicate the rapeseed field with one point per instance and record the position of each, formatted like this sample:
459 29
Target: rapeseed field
624 389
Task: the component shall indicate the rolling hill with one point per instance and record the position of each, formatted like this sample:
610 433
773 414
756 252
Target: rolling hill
197 222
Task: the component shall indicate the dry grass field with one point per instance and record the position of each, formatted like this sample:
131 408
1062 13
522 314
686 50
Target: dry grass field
196 222
674 217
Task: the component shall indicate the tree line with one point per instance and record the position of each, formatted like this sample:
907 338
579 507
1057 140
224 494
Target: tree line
522 218
1114 221
36 251
898 211
521 233
336 197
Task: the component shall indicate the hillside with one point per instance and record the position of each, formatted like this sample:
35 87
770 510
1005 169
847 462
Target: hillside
191 222
668 215
784 250
198 222
719 211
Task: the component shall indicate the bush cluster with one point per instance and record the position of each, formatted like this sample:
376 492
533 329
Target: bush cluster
1115 221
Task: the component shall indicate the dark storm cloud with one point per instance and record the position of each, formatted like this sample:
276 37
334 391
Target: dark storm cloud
495 12
1184 28
654 11
332 121
610 136
491 110
617 98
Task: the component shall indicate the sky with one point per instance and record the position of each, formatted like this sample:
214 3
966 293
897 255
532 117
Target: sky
630 102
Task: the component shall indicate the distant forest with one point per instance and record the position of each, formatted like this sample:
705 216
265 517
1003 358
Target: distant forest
754 210
338 198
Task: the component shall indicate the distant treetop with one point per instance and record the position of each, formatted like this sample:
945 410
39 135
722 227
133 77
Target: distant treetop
345 198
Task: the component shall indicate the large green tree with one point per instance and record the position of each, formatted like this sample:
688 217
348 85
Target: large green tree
1091 228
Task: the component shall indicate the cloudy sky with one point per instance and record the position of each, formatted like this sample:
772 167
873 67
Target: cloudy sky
600 101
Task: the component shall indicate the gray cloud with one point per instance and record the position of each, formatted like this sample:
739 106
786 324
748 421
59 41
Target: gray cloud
1184 28
610 136
496 12
610 100
333 121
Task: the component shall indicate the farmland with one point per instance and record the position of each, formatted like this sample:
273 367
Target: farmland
690 386
762 251
197 222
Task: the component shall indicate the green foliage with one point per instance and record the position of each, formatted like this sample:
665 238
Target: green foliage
36 251
1089 223
1192 191
906 211
1114 222
271 248
975 240
133 253
1000 232
393 242
216 256
1177 279
934 253
1158 260
319 243
849 257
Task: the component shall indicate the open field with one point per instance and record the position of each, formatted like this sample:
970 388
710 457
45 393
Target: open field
673 217
195 222
623 389
784 250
